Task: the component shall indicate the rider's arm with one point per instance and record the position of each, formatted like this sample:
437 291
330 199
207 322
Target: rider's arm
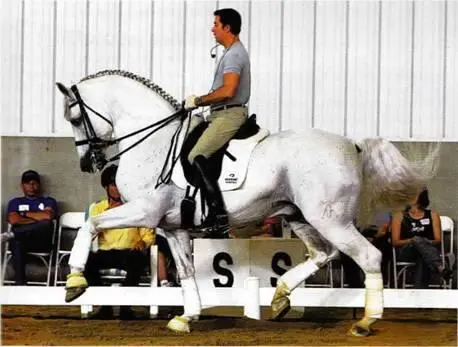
228 90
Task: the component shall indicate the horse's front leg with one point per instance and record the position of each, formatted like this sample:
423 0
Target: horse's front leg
180 246
142 212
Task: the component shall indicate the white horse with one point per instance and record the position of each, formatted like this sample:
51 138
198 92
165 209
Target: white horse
328 178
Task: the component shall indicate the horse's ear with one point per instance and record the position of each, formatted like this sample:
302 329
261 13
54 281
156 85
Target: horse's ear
63 89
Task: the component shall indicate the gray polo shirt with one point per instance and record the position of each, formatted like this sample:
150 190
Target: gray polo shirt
235 59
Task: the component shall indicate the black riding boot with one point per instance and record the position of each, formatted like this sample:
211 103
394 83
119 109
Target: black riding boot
217 216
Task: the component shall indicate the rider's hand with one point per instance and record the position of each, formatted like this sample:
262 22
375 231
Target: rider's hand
190 102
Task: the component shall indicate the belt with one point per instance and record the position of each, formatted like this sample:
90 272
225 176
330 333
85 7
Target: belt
225 107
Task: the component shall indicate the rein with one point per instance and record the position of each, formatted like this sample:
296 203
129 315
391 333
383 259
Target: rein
96 144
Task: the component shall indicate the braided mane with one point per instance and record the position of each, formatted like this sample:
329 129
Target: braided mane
145 81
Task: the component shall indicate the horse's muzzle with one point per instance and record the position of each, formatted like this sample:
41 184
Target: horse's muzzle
86 163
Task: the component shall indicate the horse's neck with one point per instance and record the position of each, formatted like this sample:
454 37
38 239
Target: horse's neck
132 106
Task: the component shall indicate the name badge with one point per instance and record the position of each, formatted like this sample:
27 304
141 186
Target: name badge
424 221
23 208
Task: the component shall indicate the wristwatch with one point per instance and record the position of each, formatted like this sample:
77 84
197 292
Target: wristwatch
23 214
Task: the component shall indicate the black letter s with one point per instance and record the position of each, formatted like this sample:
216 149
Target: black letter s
280 256
223 271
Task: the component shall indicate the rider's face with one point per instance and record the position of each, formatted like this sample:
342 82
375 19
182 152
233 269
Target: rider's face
218 30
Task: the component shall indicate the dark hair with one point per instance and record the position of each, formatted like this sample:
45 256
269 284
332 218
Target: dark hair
229 16
423 199
109 175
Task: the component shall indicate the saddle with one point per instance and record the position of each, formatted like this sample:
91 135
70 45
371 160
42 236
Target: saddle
185 175
248 129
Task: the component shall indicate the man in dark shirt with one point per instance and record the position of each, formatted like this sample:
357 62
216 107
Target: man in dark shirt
31 218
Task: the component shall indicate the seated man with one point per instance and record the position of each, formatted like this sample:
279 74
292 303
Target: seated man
115 248
31 218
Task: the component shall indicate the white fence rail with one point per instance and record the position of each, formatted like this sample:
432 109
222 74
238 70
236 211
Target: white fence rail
251 298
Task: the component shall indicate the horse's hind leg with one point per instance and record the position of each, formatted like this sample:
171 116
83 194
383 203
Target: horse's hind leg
180 247
350 241
320 252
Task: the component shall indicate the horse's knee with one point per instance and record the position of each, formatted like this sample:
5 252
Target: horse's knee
320 258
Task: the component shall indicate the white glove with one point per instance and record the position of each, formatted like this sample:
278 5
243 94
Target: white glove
190 102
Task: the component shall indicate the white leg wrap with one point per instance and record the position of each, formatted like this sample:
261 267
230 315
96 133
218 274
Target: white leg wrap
81 247
192 306
374 295
293 277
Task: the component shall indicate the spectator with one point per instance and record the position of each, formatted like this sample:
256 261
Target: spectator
417 232
115 248
378 235
31 219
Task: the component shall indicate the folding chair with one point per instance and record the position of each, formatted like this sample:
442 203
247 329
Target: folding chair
69 224
447 227
44 257
447 255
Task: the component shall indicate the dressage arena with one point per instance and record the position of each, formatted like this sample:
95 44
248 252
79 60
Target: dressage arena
33 325
360 69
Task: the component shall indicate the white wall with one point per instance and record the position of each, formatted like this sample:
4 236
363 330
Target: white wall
358 68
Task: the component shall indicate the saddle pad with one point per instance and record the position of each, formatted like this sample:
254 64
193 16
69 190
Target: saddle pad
233 173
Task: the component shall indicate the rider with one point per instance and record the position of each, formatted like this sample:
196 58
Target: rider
230 91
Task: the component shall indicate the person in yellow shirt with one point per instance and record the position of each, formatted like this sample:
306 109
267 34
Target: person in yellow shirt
124 249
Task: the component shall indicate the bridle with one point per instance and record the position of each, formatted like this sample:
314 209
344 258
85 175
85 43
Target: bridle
97 144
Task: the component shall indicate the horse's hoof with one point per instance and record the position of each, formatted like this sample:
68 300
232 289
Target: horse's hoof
280 308
280 303
179 324
75 286
73 293
360 331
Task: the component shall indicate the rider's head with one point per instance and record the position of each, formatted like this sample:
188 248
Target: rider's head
227 24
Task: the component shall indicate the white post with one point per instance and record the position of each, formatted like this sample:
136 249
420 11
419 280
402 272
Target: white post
85 310
153 310
252 304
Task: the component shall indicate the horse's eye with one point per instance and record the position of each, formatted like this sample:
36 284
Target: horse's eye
76 122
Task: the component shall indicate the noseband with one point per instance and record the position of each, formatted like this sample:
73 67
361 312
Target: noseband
97 145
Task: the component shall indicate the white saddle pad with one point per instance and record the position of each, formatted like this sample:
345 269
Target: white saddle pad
233 173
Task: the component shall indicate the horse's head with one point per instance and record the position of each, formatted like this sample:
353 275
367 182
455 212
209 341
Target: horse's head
92 128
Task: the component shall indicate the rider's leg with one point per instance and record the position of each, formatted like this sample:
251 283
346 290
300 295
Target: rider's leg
223 126
217 208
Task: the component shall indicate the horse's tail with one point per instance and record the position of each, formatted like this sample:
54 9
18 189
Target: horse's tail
390 179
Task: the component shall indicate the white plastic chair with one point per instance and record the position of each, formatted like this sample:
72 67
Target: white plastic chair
447 228
69 222
45 257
